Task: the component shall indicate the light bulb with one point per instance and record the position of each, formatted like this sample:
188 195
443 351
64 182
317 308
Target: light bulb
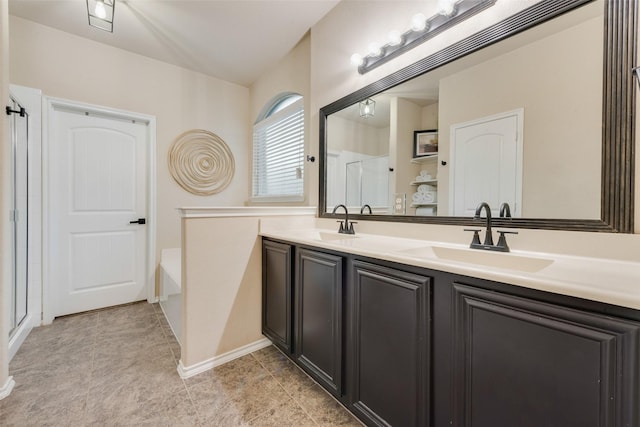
446 7
374 49
395 38
100 11
356 59
418 22
367 110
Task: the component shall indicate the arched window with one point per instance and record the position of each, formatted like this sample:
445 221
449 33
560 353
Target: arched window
278 150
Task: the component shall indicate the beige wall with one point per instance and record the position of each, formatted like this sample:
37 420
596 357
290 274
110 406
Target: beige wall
5 191
357 137
66 66
221 291
558 135
221 281
292 74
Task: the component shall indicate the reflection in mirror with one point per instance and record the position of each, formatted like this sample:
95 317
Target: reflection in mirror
519 121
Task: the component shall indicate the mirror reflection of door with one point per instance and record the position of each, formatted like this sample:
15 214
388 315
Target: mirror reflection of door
487 164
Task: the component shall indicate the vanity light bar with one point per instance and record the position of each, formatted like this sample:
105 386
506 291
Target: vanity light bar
422 30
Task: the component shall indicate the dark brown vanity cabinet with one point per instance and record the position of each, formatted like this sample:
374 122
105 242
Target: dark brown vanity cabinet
318 316
277 276
407 346
521 362
388 350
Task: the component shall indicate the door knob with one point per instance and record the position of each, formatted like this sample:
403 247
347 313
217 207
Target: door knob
139 221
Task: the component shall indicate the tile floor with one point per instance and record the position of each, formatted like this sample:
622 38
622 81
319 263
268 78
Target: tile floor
117 367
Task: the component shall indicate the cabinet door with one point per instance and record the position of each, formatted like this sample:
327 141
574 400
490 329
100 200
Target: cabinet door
389 346
520 362
276 293
318 315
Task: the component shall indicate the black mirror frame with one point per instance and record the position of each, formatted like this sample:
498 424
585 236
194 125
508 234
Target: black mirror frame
618 122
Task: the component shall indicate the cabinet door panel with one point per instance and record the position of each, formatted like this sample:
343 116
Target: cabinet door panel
389 341
319 317
527 363
276 293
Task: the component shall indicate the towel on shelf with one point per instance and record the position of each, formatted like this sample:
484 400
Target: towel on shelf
424 197
425 188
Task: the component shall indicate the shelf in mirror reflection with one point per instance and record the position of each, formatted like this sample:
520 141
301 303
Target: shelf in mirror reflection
424 159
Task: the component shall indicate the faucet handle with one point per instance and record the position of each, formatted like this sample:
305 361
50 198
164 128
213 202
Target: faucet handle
502 241
341 230
351 230
476 236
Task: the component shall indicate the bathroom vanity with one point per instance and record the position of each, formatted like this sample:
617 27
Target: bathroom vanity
410 332
406 332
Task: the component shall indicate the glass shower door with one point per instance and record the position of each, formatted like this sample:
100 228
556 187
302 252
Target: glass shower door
19 148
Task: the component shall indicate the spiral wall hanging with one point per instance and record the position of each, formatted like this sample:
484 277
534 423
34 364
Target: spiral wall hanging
201 162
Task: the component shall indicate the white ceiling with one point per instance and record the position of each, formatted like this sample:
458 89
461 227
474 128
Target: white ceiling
234 40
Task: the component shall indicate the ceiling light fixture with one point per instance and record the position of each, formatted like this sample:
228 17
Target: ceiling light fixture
367 108
450 12
101 14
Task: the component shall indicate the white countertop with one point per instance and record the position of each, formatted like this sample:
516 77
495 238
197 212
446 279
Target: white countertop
609 281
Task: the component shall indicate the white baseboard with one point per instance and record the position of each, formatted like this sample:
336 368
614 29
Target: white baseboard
21 334
189 371
5 390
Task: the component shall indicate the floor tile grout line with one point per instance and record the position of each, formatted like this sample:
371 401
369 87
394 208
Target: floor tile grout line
285 390
270 375
159 316
94 343
304 409
314 381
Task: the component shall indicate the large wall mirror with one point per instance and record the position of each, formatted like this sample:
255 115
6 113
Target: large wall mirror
536 111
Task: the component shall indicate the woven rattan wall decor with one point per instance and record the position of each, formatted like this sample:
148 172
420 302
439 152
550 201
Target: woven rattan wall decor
201 162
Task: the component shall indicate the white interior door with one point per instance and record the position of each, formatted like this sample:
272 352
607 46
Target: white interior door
97 186
486 164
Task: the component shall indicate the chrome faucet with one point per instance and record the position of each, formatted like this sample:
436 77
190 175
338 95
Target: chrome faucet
488 238
365 206
346 227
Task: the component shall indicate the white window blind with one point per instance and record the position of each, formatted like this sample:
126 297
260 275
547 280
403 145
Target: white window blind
278 147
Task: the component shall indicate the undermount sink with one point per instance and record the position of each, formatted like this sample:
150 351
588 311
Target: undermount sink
507 261
329 236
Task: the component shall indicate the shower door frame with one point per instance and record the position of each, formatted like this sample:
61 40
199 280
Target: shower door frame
31 100
18 217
